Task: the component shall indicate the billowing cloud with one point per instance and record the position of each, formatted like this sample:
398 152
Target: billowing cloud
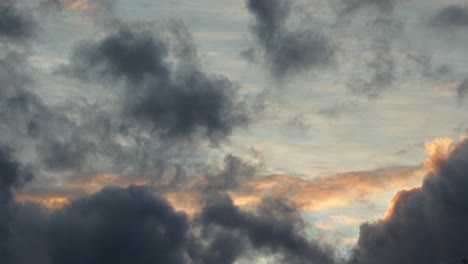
287 51
118 226
135 225
176 100
275 226
425 224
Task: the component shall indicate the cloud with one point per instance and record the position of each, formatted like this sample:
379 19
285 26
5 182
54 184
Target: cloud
12 176
14 23
177 100
122 225
275 226
384 6
454 16
118 226
327 191
424 224
462 89
241 181
337 110
287 52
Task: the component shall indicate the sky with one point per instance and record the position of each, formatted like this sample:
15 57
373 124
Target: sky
233 131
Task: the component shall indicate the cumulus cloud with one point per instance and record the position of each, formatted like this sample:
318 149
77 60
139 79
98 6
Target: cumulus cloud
287 51
135 225
118 226
275 226
176 101
425 224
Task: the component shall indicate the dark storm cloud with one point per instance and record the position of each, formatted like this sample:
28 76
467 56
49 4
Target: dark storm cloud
455 16
286 51
118 226
14 24
178 100
276 227
12 176
133 225
426 224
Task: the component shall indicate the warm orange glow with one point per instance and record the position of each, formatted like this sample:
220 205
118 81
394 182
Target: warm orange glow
81 5
48 201
391 207
310 195
437 151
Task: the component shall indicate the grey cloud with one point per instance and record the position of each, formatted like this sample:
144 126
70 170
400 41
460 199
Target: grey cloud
426 224
15 24
275 227
383 30
12 176
428 69
118 226
337 110
133 225
384 6
462 89
287 52
176 100
66 155
382 77
454 16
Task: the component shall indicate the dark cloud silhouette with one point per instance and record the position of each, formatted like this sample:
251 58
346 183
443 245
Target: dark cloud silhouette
15 24
12 176
454 16
287 51
425 224
118 226
133 225
176 100
275 227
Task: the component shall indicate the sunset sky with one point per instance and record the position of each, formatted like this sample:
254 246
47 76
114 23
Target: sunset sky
233 131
